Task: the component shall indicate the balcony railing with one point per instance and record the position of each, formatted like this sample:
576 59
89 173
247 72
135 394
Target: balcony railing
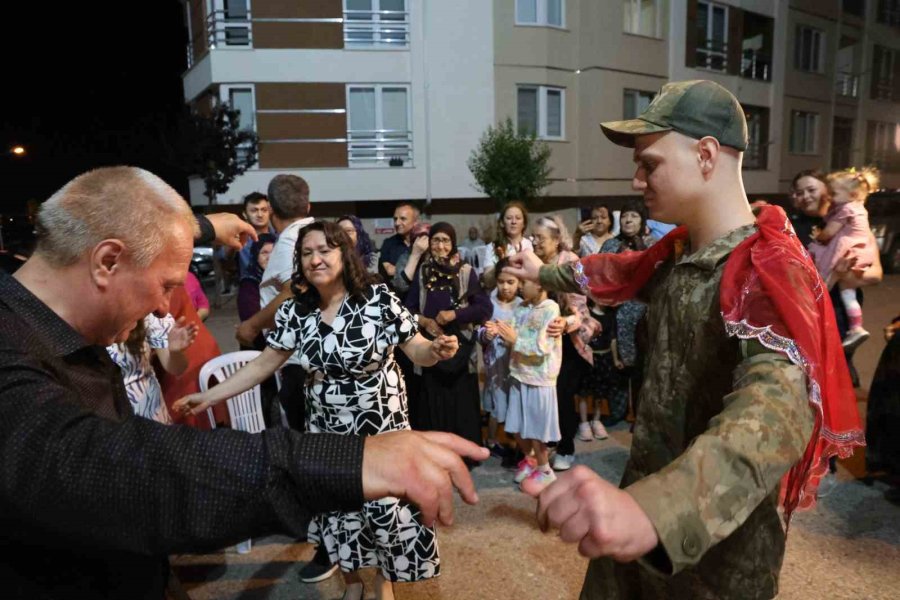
224 31
376 28
713 55
847 85
756 65
385 147
883 89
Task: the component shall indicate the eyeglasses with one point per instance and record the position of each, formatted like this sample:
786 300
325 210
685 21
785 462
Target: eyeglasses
442 240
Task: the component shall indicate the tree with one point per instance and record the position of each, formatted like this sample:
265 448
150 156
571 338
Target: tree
508 165
215 148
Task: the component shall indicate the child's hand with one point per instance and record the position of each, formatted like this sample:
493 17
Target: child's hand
619 364
557 327
182 335
192 404
444 347
506 331
490 330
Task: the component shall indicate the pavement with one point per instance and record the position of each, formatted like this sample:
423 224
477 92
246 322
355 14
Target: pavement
848 547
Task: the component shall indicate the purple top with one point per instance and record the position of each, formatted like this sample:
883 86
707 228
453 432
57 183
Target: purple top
478 310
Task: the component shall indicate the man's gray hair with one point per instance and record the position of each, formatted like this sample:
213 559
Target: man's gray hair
124 203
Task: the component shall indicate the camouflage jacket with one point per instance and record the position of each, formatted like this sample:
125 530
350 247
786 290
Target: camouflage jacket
719 422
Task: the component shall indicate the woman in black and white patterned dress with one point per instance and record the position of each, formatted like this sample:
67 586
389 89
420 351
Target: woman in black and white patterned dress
345 329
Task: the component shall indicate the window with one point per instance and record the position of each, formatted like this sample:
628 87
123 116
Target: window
756 155
541 110
888 12
885 74
241 98
883 145
548 13
841 143
756 46
641 17
230 24
712 36
378 125
847 80
804 126
809 49
376 24
854 7
636 102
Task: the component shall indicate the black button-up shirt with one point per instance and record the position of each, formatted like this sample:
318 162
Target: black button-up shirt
93 499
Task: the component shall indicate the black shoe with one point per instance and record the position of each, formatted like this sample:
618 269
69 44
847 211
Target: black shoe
319 568
499 451
511 460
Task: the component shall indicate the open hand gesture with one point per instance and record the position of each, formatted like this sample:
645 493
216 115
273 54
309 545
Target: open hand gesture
182 335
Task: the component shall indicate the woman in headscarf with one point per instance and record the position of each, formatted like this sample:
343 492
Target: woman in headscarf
448 299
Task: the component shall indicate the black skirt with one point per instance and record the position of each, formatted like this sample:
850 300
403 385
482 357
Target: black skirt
883 412
447 402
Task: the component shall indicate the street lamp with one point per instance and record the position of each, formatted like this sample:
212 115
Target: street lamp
17 151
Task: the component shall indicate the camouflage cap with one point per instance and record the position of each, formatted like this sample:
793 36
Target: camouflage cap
695 108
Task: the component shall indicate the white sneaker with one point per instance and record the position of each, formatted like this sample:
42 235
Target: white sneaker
563 462
599 430
855 338
584 432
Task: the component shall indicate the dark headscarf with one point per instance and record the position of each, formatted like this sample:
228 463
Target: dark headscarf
364 246
254 271
440 273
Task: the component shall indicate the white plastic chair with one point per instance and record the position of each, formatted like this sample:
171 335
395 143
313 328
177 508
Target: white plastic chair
244 410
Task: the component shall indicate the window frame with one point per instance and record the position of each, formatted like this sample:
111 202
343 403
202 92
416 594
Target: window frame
762 155
225 90
709 27
542 114
806 151
541 15
656 25
377 42
820 49
633 91
381 161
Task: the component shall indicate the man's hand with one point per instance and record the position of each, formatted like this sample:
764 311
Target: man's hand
246 332
231 230
525 265
602 519
444 347
422 467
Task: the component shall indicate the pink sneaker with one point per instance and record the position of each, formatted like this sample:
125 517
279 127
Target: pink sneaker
524 469
539 480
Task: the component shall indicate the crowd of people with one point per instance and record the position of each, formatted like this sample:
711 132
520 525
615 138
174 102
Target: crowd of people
403 369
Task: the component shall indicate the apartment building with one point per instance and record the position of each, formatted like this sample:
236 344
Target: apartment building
382 100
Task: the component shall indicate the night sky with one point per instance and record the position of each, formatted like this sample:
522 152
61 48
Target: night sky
88 84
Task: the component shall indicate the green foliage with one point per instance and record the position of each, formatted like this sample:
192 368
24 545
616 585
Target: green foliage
508 165
214 148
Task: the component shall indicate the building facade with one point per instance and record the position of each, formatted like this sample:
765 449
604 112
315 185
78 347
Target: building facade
374 101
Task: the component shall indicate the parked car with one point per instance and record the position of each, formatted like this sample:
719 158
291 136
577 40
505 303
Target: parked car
202 262
884 218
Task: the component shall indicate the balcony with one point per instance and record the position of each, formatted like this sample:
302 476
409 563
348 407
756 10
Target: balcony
379 147
847 85
223 30
384 29
756 65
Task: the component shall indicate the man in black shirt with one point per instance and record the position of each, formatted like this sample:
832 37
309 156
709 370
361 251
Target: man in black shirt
93 498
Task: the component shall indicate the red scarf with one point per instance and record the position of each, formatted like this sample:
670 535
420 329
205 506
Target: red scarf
770 292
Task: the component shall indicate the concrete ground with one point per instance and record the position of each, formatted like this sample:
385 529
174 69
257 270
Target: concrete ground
846 548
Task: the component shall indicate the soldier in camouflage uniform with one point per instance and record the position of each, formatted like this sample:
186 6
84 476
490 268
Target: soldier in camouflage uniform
721 419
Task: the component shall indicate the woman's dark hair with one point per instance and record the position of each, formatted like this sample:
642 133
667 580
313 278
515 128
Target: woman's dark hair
356 279
135 342
364 245
635 242
500 239
814 173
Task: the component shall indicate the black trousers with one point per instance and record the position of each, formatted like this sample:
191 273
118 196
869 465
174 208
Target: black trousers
292 396
571 372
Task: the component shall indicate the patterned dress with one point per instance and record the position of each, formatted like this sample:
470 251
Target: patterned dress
141 384
355 387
